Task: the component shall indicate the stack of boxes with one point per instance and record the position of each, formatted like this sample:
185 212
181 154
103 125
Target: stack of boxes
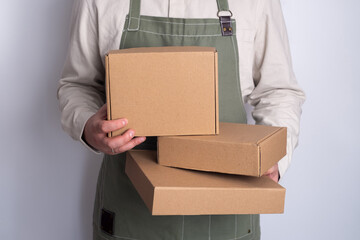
201 166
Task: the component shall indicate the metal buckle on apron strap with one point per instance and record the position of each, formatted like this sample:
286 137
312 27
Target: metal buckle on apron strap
225 22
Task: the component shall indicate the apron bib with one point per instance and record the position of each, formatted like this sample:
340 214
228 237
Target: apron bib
119 212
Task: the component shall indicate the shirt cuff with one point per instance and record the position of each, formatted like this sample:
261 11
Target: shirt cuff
283 166
86 117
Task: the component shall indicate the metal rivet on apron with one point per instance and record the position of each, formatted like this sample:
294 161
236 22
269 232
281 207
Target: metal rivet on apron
227 29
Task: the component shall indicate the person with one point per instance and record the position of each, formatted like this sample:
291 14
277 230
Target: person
254 67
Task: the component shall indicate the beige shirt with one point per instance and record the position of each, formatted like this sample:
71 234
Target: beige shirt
266 75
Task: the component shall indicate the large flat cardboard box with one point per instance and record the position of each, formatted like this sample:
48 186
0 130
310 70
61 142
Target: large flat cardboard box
173 191
238 149
164 90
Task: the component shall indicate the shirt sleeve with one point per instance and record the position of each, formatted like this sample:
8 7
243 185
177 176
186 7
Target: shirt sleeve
276 97
81 90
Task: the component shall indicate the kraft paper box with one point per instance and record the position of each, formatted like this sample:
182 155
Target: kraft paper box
173 191
164 90
238 149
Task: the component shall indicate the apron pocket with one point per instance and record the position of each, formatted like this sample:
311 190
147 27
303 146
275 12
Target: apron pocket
229 227
122 213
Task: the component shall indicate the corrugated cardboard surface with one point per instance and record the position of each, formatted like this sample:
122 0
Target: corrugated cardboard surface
164 91
238 149
173 191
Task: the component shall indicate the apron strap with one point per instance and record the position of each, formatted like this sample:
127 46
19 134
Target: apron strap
134 16
223 8
222 5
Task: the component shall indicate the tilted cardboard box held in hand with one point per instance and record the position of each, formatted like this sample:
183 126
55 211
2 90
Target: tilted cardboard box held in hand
173 191
238 149
164 90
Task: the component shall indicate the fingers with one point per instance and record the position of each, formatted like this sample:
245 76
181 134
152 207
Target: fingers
274 176
116 142
130 145
97 128
273 173
106 126
271 170
122 143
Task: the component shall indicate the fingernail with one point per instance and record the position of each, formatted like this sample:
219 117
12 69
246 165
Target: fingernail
123 122
131 134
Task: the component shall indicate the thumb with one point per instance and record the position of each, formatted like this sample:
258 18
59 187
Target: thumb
102 112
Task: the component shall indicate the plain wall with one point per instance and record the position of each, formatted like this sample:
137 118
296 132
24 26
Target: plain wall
47 181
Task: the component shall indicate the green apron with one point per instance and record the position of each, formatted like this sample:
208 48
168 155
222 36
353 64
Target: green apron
119 212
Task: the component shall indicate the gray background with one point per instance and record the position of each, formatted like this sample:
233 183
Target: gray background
47 181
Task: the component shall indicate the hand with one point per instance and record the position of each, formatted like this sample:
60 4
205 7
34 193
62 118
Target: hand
273 173
97 128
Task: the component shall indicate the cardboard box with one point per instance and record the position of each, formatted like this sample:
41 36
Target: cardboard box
238 149
173 191
164 90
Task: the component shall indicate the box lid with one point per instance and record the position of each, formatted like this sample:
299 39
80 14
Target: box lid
168 49
237 133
